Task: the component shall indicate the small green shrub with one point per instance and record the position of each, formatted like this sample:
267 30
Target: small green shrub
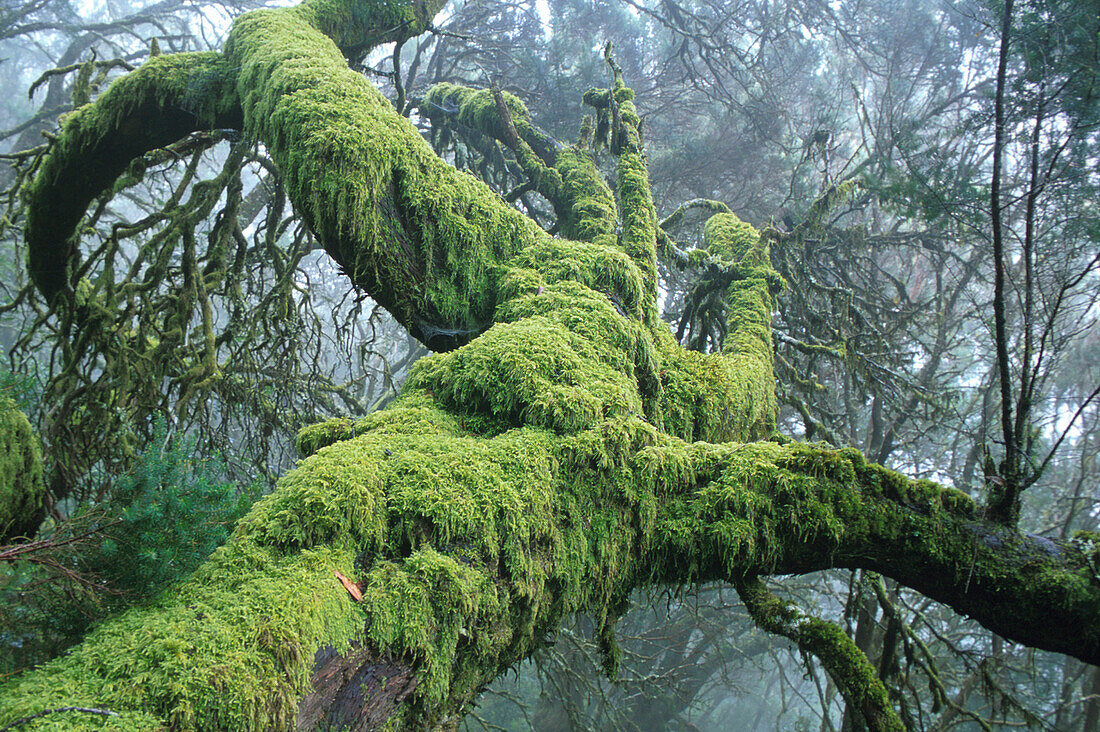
172 511
158 523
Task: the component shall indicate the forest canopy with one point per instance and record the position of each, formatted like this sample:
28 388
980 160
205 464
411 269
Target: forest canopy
779 301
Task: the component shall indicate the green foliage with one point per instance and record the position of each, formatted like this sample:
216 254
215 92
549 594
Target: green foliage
537 470
471 547
21 388
172 511
159 523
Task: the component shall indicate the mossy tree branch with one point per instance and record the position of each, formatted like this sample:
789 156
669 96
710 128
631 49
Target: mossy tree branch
163 101
838 653
561 453
565 175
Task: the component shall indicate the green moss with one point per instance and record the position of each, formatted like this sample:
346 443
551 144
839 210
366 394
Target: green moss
166 98
639 225
598 267
232 648
21 488
427 605
534 371
589 212
842 659
477 109
470 548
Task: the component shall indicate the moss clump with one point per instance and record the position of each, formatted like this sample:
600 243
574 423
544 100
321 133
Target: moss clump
597 267
729 396
21 489
313 437
356 27
534 371
468 549
477 109
731 239
231 648
590 212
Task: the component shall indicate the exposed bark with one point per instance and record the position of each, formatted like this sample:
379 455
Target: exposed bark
355 691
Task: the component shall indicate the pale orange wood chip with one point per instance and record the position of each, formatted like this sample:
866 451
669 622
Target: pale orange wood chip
351 587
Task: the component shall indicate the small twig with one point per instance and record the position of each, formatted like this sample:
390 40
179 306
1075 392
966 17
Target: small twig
448 34
10 553
65 70
87 710
399 105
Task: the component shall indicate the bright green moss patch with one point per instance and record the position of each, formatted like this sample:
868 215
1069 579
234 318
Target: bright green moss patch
476 108
716 398
533 371
748 511
729 237
470 545
427 605
356 27
589 213
768 506
413 413
469 549
334 497
313 437
639 224
422 237
600 268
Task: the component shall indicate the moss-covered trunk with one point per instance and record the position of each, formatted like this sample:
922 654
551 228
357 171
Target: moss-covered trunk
560 453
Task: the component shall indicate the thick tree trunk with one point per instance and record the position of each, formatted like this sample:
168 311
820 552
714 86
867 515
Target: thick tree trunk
567 454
